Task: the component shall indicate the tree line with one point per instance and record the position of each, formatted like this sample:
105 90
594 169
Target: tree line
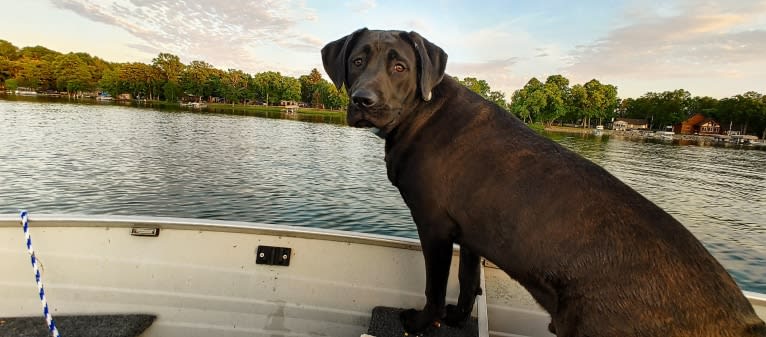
594 102
166 78
745 112
554 100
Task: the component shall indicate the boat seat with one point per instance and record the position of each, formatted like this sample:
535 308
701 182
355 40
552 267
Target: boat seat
385 323
82 326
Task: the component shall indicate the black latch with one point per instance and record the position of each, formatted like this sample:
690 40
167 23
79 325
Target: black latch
276 256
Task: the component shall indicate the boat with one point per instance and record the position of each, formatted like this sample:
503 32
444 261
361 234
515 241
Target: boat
223 278
25 92
744 139
666 135
194 105
599 130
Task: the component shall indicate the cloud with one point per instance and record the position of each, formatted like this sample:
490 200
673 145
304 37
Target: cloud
505 55
362 6
220 32
688 40
498 73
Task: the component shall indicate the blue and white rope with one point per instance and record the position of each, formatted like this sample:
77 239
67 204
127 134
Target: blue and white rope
38 278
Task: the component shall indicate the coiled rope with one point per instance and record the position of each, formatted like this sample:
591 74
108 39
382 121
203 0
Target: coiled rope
38 278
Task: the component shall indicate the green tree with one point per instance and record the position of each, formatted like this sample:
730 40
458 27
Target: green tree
498 97
478 86
529 101
8 69
331 97
110 81
97 68
11 84
556 89
578 104
38 53
195 78
310 87
72 74
235 84
666 108
761 123
482 88
214 87
140 80
601 102
747 108
170 66
290 89
171 69
8 50
703 105
272 87
36 74
171 91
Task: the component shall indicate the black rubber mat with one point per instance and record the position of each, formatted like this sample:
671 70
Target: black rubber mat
80 326
385 323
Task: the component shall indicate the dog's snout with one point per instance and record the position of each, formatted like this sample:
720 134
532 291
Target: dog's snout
364 98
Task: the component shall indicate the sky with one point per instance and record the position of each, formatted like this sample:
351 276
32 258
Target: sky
710 48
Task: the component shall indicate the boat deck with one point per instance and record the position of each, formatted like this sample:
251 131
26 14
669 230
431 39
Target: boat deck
385 323
82 326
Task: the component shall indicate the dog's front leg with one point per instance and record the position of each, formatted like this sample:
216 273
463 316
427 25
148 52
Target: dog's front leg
469 276
438 256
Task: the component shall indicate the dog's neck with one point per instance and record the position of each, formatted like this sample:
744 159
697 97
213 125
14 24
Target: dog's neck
400 140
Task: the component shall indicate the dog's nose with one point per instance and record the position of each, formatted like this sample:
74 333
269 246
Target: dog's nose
365 98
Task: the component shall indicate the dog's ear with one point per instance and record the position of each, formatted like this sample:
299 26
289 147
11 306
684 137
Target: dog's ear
335 56
432 61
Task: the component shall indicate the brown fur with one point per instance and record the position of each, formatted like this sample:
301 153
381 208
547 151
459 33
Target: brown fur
599 257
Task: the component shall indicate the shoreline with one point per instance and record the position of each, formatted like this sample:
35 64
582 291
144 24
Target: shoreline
680 139
338 117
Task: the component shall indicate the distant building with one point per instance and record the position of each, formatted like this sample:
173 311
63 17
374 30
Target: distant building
289 106
698 124
625 124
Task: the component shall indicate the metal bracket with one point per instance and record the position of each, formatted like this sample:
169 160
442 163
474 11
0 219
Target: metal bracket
145 231
275 256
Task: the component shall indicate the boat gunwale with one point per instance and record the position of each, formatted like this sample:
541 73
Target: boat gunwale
755 298
212 225
243 227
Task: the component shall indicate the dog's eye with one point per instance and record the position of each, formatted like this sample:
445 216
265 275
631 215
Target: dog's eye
399 67
357 61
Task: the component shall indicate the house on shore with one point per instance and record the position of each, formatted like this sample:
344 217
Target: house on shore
626 124
289 106
698 124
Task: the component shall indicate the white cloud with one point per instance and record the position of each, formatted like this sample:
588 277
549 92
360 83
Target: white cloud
362 6
689 40
220 32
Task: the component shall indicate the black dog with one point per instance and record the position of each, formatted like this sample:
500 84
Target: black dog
473 174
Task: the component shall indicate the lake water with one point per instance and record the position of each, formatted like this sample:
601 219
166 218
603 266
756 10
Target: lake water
107 159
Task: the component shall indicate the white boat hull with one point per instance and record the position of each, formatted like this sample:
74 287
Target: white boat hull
200 278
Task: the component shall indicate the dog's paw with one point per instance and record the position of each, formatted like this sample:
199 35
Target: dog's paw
456 317
415 321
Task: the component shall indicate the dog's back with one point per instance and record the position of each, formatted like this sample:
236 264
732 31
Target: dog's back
590 249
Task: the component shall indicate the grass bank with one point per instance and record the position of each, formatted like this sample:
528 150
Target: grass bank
303 114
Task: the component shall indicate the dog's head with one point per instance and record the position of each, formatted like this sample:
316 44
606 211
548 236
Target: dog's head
386 73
